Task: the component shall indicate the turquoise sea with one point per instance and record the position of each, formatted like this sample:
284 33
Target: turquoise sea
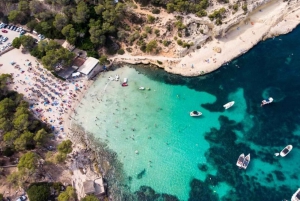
156 151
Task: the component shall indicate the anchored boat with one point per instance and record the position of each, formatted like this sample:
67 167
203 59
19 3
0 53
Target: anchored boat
195 113
228 105
246 162
240 160
296 196
286 150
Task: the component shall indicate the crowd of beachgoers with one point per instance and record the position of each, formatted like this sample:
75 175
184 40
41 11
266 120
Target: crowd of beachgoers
50 98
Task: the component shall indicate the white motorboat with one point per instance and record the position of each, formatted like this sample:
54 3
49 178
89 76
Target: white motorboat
195 113
125 80
117 77
296 196
142 88
265 102
228 105
246 162
240 160
286 150
110 78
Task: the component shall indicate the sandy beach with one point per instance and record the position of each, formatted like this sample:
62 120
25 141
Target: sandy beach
271 19
51 100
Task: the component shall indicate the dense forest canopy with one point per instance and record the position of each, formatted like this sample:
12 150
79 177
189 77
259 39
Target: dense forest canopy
19 129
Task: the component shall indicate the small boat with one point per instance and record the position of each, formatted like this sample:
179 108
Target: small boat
286 150
110 78
142 88
228 105
117 77
240 160
265 102
296 196
124 84
125 80
195 114
246 162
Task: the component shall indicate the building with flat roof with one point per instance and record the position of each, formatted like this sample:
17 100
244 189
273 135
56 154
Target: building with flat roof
90 67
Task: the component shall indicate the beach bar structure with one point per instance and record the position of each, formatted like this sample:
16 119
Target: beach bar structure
90 68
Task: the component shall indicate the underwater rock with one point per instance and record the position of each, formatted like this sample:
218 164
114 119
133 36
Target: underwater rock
141 174
203 167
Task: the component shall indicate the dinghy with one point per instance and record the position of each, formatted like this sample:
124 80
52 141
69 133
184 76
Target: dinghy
228 105
142 88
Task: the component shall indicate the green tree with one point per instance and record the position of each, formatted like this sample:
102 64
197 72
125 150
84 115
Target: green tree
16 43
36 7
96 35
27 42
65 147
70 33
151 46
25 140
40 137
5 124
50 60
23 7
3 90
28 162
103 60
68 195
9 137
1 197
82 13
52 45
150 19
90 198
39 192
60 21
60 158
21 122
15 16
99 9
45 27
6 107
32 24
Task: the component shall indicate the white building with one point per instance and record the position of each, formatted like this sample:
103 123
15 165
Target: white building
90 67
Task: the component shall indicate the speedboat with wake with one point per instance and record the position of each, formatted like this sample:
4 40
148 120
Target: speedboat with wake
285 151
228 105
265 102
195 113
296 196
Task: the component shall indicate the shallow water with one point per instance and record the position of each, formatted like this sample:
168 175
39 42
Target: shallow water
162 147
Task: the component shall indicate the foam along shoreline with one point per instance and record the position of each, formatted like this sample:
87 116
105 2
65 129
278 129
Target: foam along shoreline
271 19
